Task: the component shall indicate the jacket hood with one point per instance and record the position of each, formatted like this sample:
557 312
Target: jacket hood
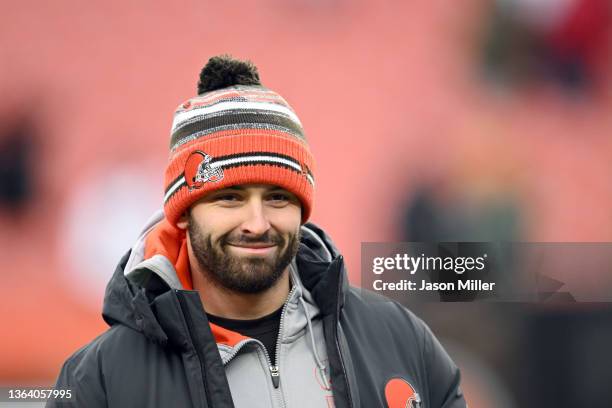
157 263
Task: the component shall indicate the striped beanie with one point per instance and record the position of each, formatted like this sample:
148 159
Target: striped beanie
235 132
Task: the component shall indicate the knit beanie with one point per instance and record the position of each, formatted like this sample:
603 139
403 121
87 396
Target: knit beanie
235 131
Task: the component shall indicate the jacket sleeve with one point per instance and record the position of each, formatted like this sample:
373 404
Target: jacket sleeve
443 375
81 374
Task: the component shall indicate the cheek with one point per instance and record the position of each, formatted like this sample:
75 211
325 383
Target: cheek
295 217
288 222
215 223
218 233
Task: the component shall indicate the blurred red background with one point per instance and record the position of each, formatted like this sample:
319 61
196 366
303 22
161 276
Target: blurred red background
393 97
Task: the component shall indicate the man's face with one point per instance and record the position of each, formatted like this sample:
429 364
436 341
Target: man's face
244 237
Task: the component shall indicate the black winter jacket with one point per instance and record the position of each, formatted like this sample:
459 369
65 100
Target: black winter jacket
159 350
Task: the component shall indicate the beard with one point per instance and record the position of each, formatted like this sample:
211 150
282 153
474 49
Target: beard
242 274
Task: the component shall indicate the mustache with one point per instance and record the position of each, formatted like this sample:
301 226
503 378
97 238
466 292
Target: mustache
265 238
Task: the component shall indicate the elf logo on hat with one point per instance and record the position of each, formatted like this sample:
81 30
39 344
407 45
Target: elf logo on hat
198 170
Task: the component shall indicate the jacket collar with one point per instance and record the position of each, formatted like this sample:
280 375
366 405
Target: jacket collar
138 280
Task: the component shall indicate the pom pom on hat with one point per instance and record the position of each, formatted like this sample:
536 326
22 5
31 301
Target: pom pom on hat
223 71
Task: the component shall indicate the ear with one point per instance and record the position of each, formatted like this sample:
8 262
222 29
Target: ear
183 222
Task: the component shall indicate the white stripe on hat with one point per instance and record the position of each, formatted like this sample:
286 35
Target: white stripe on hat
173 188
310 179
182 117
242 160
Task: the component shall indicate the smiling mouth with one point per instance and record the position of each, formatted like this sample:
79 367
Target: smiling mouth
254 249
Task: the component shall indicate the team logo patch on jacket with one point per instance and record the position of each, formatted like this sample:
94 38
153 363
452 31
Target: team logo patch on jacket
198 170
401 394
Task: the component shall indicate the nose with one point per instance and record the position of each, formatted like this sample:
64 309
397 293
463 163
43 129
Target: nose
256 222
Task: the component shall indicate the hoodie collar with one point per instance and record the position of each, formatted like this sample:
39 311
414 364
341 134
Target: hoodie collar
162 249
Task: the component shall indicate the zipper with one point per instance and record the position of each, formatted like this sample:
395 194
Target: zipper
274 368
236 349
336 340
275 374
273 365
196 343
348 390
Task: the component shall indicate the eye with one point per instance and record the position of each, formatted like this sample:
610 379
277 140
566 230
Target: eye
280 198
227 197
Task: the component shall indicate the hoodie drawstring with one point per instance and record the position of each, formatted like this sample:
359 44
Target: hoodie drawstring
318 361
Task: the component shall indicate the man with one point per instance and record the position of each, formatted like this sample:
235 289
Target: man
231 299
